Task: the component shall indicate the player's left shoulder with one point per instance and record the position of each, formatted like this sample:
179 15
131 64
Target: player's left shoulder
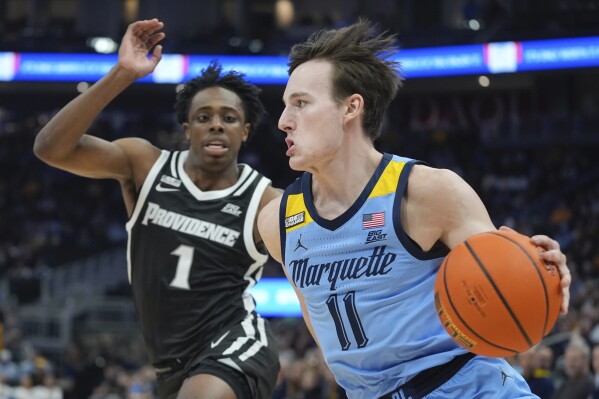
440 194
428 183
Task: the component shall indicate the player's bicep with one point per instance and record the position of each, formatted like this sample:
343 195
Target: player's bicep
463 212
268 226
100 159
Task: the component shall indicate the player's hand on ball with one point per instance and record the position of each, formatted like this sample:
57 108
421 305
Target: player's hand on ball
553 254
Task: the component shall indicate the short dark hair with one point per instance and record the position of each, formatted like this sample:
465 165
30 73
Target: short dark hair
361 64
235 81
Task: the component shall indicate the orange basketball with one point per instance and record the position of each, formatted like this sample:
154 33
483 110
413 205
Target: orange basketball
495 296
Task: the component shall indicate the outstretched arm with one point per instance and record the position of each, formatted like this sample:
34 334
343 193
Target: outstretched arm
62 142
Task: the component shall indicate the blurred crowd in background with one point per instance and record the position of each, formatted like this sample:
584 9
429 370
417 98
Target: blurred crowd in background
50 217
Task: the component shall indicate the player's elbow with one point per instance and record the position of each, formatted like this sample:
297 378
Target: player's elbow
40 149
45 149
41 146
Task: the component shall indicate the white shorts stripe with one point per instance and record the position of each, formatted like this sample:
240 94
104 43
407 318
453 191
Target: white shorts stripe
262 331
248 326
251 352
239 342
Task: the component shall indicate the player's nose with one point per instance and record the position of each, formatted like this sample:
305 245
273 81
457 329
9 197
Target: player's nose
285 122
216 124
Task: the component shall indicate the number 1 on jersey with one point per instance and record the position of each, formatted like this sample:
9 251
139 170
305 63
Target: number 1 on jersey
181 279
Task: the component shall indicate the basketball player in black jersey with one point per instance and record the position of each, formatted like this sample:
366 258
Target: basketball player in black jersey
192 252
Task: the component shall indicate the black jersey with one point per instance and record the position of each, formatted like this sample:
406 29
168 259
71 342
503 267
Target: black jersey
191 257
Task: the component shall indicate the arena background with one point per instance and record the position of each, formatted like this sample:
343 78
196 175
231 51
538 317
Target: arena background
526 139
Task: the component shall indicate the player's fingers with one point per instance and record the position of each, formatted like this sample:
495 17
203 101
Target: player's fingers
145 29
545 242
505 228
157 54
152 41
137 28
152 30
556 257
565 300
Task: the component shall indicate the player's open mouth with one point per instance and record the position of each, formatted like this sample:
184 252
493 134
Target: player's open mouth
216 147
290 146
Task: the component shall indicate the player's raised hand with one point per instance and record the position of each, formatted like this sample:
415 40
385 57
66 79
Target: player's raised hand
140 38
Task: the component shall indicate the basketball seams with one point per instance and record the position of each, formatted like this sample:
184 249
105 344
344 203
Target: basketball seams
456 313
499 294
539 272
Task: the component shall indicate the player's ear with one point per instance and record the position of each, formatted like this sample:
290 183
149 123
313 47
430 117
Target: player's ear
354 105
246 132
186 130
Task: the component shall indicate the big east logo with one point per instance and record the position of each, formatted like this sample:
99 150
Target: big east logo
375 235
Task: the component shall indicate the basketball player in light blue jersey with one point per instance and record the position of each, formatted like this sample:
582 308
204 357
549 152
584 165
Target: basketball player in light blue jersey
361 234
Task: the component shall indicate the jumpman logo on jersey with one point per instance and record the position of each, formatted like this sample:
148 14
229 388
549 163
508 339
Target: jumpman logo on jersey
504 377
299 244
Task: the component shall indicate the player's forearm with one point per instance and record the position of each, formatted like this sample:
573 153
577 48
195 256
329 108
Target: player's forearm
62 133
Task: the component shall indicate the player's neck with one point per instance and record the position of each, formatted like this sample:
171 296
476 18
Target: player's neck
211 180
339 183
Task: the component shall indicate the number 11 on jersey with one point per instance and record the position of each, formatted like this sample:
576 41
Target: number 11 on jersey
349 301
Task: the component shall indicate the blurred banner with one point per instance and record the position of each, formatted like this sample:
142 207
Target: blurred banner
275 297
489 58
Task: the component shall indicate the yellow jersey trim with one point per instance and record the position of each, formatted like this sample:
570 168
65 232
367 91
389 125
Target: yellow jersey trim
389 180
296 213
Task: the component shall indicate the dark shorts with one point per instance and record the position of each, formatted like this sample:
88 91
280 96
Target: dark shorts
244 355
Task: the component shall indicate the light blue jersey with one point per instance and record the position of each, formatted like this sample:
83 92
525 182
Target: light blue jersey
368 287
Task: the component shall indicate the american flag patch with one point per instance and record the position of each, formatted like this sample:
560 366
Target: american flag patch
371 220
